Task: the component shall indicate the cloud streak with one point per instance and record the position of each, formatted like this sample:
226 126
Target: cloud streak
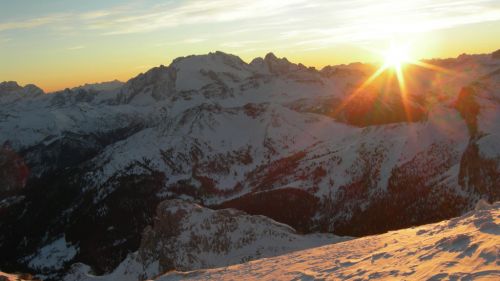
191 13
34 22
73 48
302 23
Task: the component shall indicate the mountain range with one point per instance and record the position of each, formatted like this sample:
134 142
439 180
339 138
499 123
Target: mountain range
95 178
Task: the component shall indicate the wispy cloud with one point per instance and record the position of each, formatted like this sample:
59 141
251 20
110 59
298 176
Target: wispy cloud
4 40
75 48
183 41
34 22
190 13
240 44
95 15
301 23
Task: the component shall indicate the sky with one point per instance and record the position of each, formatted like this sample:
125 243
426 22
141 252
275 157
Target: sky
59 43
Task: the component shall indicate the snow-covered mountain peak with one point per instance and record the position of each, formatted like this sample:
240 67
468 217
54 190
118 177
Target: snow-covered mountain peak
279 65
194 78
217 62
270 57
11 91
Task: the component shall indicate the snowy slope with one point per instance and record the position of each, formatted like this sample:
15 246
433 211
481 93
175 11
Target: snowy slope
187 236
463 248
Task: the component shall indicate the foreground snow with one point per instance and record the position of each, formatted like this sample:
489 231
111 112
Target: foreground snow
15 277
464 248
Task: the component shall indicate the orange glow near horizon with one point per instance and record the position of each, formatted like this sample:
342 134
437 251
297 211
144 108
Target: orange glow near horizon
64 44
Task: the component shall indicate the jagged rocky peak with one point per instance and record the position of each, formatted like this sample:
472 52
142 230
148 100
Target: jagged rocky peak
215 74
185 76
342 70
279 66
217 61
12 91
101 86
269 57
9 86
258 62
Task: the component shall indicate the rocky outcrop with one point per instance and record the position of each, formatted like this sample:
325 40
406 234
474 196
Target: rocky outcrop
187 236
480 174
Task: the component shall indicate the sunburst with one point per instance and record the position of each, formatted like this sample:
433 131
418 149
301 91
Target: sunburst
395 60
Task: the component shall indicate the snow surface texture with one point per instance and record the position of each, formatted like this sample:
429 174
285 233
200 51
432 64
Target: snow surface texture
187 236
463 248
53 255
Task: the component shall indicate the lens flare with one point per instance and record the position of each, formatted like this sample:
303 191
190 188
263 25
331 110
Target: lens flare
395 59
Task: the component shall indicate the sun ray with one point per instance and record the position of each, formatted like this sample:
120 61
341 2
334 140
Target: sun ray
432 67
358 90
404 92
395 60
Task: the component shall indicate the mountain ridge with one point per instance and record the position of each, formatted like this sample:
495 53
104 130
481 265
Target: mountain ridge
219 132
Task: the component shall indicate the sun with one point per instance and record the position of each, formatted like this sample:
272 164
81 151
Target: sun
397 55
394 59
